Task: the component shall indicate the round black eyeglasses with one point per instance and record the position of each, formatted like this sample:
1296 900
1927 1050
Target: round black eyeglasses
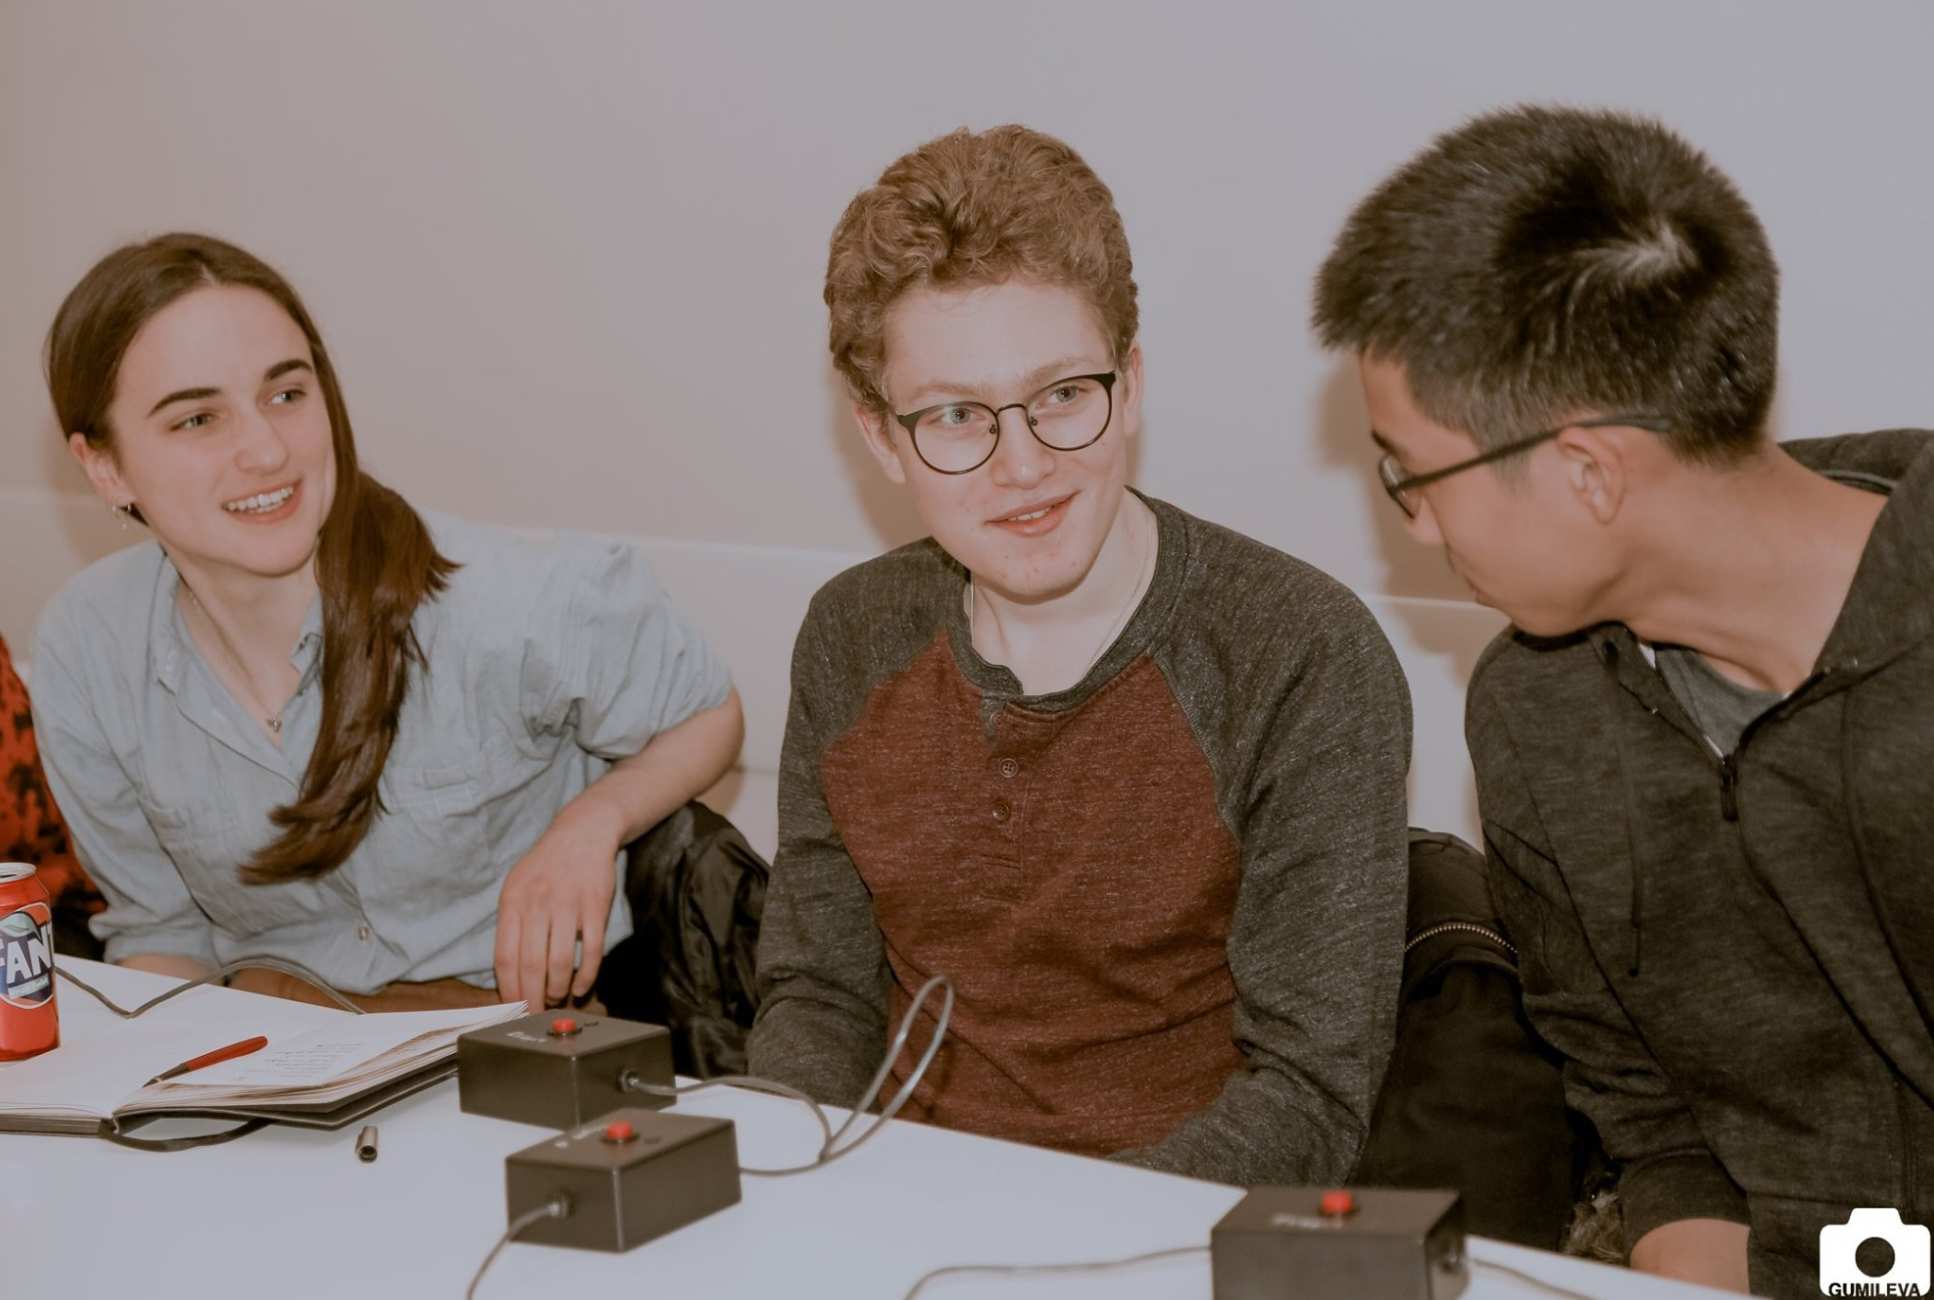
960 437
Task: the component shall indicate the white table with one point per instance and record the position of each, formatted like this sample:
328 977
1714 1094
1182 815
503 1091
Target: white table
289 1212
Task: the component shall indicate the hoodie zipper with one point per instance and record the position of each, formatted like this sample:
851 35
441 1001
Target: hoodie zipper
1460 927
1727 766
1729 763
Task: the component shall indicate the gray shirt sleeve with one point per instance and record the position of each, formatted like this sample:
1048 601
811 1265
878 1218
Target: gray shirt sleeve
609 657
823 975
149 908
1316 947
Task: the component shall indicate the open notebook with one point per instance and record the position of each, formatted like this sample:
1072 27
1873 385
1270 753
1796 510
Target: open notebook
322 1066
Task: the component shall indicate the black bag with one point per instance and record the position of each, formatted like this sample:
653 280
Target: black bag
1474 1099
697 891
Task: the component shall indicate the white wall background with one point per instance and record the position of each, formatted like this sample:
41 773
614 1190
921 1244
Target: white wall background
568 255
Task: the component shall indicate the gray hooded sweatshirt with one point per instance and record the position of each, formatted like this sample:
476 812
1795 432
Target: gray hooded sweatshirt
1736 954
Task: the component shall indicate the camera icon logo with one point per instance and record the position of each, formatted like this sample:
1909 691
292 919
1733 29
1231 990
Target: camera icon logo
1841 1275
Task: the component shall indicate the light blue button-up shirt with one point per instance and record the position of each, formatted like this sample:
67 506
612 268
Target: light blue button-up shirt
548 660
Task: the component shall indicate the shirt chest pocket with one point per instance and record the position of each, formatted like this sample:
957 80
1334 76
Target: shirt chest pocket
451 790
435 832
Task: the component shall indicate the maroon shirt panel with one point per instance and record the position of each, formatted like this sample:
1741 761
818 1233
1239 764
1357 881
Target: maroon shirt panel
1070 873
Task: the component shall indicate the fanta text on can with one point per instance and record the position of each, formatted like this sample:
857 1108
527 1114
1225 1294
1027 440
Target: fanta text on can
29 1021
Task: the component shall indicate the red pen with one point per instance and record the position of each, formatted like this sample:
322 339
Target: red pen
215 1057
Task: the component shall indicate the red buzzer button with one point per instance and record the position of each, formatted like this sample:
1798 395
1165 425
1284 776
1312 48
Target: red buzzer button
1336 1203
619 1131
564 1027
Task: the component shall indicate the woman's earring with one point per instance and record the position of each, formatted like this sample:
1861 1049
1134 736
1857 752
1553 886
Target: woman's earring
121 513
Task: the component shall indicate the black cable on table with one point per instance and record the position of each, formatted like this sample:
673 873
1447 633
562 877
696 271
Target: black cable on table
1129 1261
120 1139
829 1150
296 969
113 1132
751 1083
1037 1270
558 1207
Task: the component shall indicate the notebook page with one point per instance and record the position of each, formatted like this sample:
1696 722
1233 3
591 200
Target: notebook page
103 1060
330 1052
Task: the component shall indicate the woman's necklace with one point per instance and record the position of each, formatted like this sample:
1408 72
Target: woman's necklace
271 720
1144 570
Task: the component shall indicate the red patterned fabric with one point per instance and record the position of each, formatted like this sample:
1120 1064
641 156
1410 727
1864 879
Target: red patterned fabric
31 829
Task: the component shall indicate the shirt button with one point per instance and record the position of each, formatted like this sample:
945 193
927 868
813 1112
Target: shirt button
362 932
1009 768
1002 810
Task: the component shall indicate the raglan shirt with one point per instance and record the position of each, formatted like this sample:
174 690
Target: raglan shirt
1736 953
1170 899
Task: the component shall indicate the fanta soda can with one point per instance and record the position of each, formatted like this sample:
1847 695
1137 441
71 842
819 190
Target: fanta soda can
29 1023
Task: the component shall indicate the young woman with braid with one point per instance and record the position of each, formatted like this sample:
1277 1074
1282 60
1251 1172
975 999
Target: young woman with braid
309 722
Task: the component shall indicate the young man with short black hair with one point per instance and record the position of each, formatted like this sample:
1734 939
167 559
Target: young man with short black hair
1705 752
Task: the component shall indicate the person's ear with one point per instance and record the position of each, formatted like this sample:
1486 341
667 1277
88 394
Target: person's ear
1128 390
879 440
1597 469
103 472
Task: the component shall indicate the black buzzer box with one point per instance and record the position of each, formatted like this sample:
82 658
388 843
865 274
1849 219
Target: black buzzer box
560 1070
631 1176
1373 1243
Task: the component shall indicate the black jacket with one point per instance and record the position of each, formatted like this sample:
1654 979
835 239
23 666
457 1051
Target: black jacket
1737 956
1473 1098
697 892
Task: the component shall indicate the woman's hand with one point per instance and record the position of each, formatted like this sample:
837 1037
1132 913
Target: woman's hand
562 889
558 894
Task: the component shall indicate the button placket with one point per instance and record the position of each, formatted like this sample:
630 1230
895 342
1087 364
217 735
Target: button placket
1007 774
1004 768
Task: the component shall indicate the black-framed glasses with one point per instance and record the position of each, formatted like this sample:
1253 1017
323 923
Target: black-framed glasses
960 437
1403 489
